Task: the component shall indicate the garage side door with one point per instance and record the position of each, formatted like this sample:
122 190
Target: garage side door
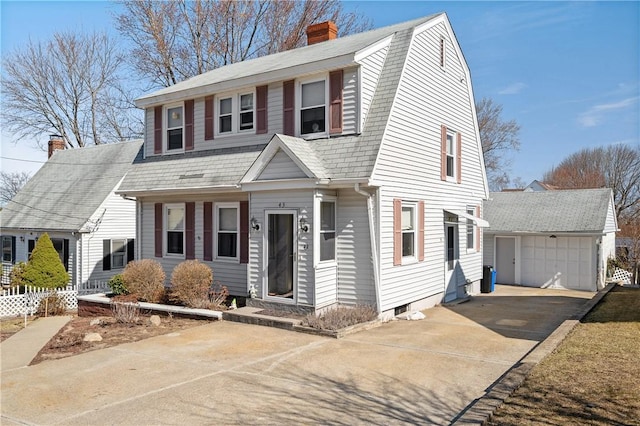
565 262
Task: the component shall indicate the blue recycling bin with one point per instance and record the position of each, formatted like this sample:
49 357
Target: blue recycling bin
488 283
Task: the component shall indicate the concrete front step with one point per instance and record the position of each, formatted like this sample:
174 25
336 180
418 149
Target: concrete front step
250 315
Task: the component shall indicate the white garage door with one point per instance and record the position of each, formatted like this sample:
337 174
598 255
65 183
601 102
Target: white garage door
566 262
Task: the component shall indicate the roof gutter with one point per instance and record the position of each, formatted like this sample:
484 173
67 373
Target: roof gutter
374 246
132 194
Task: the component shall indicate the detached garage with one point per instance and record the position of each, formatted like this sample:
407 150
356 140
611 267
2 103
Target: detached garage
555 239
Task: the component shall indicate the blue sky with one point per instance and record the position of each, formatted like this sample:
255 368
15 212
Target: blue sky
568 72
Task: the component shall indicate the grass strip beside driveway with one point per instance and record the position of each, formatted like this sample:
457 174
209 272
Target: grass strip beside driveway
593 377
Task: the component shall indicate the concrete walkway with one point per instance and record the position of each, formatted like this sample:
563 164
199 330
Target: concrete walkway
404 372
18 350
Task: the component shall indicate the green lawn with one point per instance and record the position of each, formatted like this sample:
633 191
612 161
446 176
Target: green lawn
592 378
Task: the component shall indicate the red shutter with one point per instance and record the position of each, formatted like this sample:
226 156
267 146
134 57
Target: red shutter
190 230
288 94
208 231
157 130
421 231
477 230
208 118
158 230
244 232
188 125
443 152
261 109
335 105
397 232
459 158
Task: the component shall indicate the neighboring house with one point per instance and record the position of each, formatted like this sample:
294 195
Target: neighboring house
537 185
349 171
72 199
558 239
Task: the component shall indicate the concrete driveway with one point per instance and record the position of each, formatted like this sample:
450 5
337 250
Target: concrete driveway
415 372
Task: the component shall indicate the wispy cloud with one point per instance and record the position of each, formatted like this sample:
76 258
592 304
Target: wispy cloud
512 89
596 114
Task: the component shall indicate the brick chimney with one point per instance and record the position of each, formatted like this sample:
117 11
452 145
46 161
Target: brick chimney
323 31
56 143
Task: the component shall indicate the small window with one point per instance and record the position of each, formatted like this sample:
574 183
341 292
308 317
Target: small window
327 230
227 234
312 108
246 111
174 128
7 249
470 232
118 254
31 244
174 221
408 230
225 115
62 247
451 153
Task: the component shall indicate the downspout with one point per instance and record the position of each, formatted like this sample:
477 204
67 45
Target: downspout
374 246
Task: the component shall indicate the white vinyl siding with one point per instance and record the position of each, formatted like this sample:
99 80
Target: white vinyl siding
231 274
281 166
370 73
353 246
117 220
426 98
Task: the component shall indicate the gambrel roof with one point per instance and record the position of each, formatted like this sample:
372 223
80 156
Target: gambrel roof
340 52
566 211
70 187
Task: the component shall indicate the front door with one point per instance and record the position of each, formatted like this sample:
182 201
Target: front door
505 260
451 260
281 255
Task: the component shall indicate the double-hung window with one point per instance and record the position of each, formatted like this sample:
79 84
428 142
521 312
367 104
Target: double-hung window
246 111
174 229
236 113
175 125
408 230
118 253
225 115
313 110
451 154
327 231
227 235
7 249
470 232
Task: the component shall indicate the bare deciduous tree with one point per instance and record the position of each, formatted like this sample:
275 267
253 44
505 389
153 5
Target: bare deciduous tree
11 183
616 167
179 39
498 138
69 85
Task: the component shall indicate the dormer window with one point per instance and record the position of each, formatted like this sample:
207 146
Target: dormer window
175 124
313 107
236 113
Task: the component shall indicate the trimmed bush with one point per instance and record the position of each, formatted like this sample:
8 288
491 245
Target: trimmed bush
45 269
145 279
190 284
117 286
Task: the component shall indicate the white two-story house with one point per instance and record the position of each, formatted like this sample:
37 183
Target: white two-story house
348 171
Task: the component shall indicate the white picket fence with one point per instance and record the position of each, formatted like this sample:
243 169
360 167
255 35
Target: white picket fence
14 303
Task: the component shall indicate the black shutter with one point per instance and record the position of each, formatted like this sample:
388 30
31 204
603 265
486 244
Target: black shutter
130 249
31 244
66 254
106 255
13 249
